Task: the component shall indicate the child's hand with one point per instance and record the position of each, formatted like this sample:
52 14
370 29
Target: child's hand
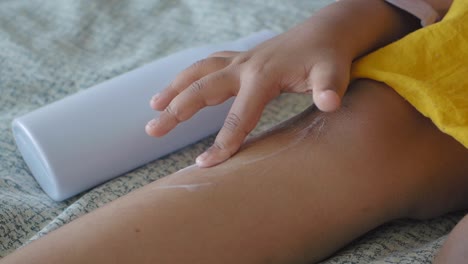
291 62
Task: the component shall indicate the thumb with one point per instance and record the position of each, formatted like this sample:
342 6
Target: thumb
329 82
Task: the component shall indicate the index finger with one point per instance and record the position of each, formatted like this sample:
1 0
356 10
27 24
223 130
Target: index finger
241 120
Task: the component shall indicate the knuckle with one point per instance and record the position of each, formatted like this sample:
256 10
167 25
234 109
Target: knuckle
216 54
233 124
170 110
197 97
209 64
219 145
222 53
196 87
241 59
222 78
258 72
173 111
199 64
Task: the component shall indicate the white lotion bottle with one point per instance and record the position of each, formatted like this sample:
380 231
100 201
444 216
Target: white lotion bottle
98 134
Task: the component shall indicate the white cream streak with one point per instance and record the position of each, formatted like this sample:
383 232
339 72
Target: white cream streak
188 187
186 168
317 124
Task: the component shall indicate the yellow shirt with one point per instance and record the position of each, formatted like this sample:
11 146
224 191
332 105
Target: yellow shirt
429 68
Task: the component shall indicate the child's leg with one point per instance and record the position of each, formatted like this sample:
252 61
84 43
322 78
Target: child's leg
294 195
455 249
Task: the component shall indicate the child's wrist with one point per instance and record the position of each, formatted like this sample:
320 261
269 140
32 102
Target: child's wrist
361 26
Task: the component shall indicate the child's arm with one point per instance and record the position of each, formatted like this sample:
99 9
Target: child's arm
312 57
428 11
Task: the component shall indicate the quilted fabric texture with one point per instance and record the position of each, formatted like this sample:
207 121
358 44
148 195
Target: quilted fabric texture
51 49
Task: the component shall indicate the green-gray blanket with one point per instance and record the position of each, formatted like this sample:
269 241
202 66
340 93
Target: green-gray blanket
50 49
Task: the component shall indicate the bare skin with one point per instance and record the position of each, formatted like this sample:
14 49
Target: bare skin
313 57
288 196
455 249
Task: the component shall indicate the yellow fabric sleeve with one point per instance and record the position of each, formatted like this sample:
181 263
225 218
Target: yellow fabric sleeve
429 68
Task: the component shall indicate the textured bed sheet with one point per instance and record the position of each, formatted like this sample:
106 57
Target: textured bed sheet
50 49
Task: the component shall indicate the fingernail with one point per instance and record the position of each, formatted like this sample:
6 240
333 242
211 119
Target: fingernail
329 101
200 159
327 93
155 97
152 123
